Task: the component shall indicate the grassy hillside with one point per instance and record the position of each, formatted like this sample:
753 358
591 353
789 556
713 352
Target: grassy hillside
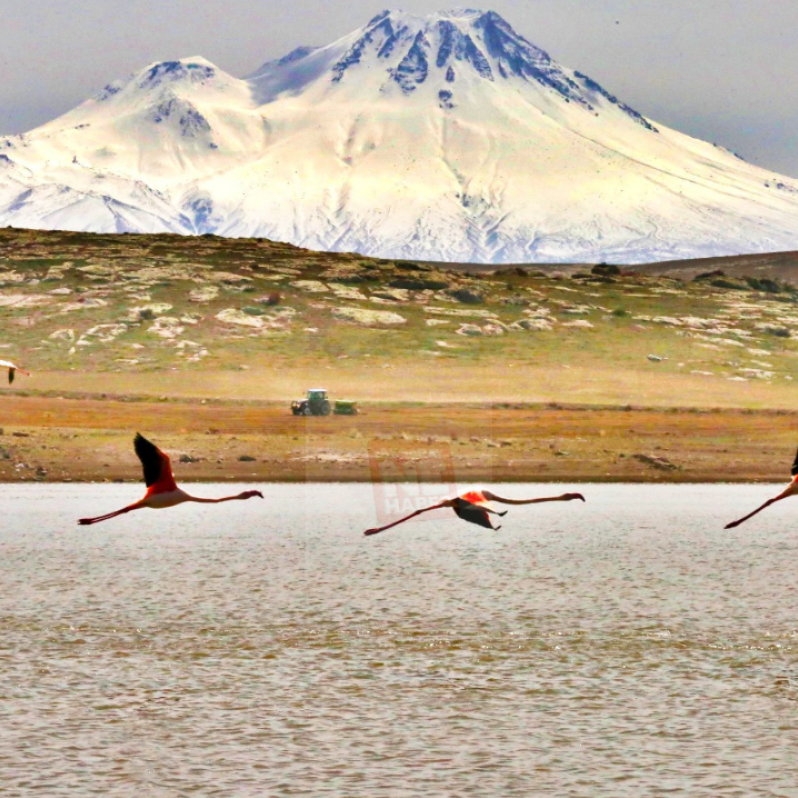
174 315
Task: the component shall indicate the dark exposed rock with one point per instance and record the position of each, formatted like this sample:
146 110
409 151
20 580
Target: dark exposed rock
409 265
351 278
380 26
516 300
605 270
465 295
709 275
591 85
729 282
413 68
778 332
419 283
368 274
764 284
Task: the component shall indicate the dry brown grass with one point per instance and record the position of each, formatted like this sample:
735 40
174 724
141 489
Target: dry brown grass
90 439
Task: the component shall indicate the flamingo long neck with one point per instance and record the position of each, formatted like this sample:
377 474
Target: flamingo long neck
202 500
490 496
535 501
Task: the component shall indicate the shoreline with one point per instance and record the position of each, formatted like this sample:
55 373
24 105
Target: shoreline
60 439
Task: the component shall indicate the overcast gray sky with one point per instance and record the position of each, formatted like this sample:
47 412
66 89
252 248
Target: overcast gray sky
723 70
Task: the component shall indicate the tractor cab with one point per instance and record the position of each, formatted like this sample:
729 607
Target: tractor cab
316 404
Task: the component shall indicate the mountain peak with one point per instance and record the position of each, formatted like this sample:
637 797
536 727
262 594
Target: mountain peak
416 42
448 136
450 50
459 46
469 36
194 71
466 16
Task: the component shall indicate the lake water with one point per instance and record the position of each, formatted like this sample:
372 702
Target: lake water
624 647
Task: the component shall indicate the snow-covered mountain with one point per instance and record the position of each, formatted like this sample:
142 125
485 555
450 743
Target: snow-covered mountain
442 137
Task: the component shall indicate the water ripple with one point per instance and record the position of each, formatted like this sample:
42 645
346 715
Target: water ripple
575 653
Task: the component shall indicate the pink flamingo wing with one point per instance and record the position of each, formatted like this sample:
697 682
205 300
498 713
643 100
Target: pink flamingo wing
477 497
157 468
474 497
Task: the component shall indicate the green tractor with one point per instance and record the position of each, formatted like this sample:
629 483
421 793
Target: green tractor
316 404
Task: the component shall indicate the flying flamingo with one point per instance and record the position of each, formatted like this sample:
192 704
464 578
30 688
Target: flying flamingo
12 369
790 490
162 490
475 507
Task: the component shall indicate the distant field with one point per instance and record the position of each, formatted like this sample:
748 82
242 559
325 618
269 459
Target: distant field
91 439
253 324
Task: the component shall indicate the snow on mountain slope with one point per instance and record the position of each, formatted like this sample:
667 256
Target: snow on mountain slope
172 122
74 199
448 137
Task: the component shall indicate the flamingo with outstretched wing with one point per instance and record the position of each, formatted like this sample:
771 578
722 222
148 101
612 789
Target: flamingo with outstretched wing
476 508
162 490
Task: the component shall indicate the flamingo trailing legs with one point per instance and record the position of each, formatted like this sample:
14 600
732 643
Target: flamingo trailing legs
476 508
162 490
790 490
